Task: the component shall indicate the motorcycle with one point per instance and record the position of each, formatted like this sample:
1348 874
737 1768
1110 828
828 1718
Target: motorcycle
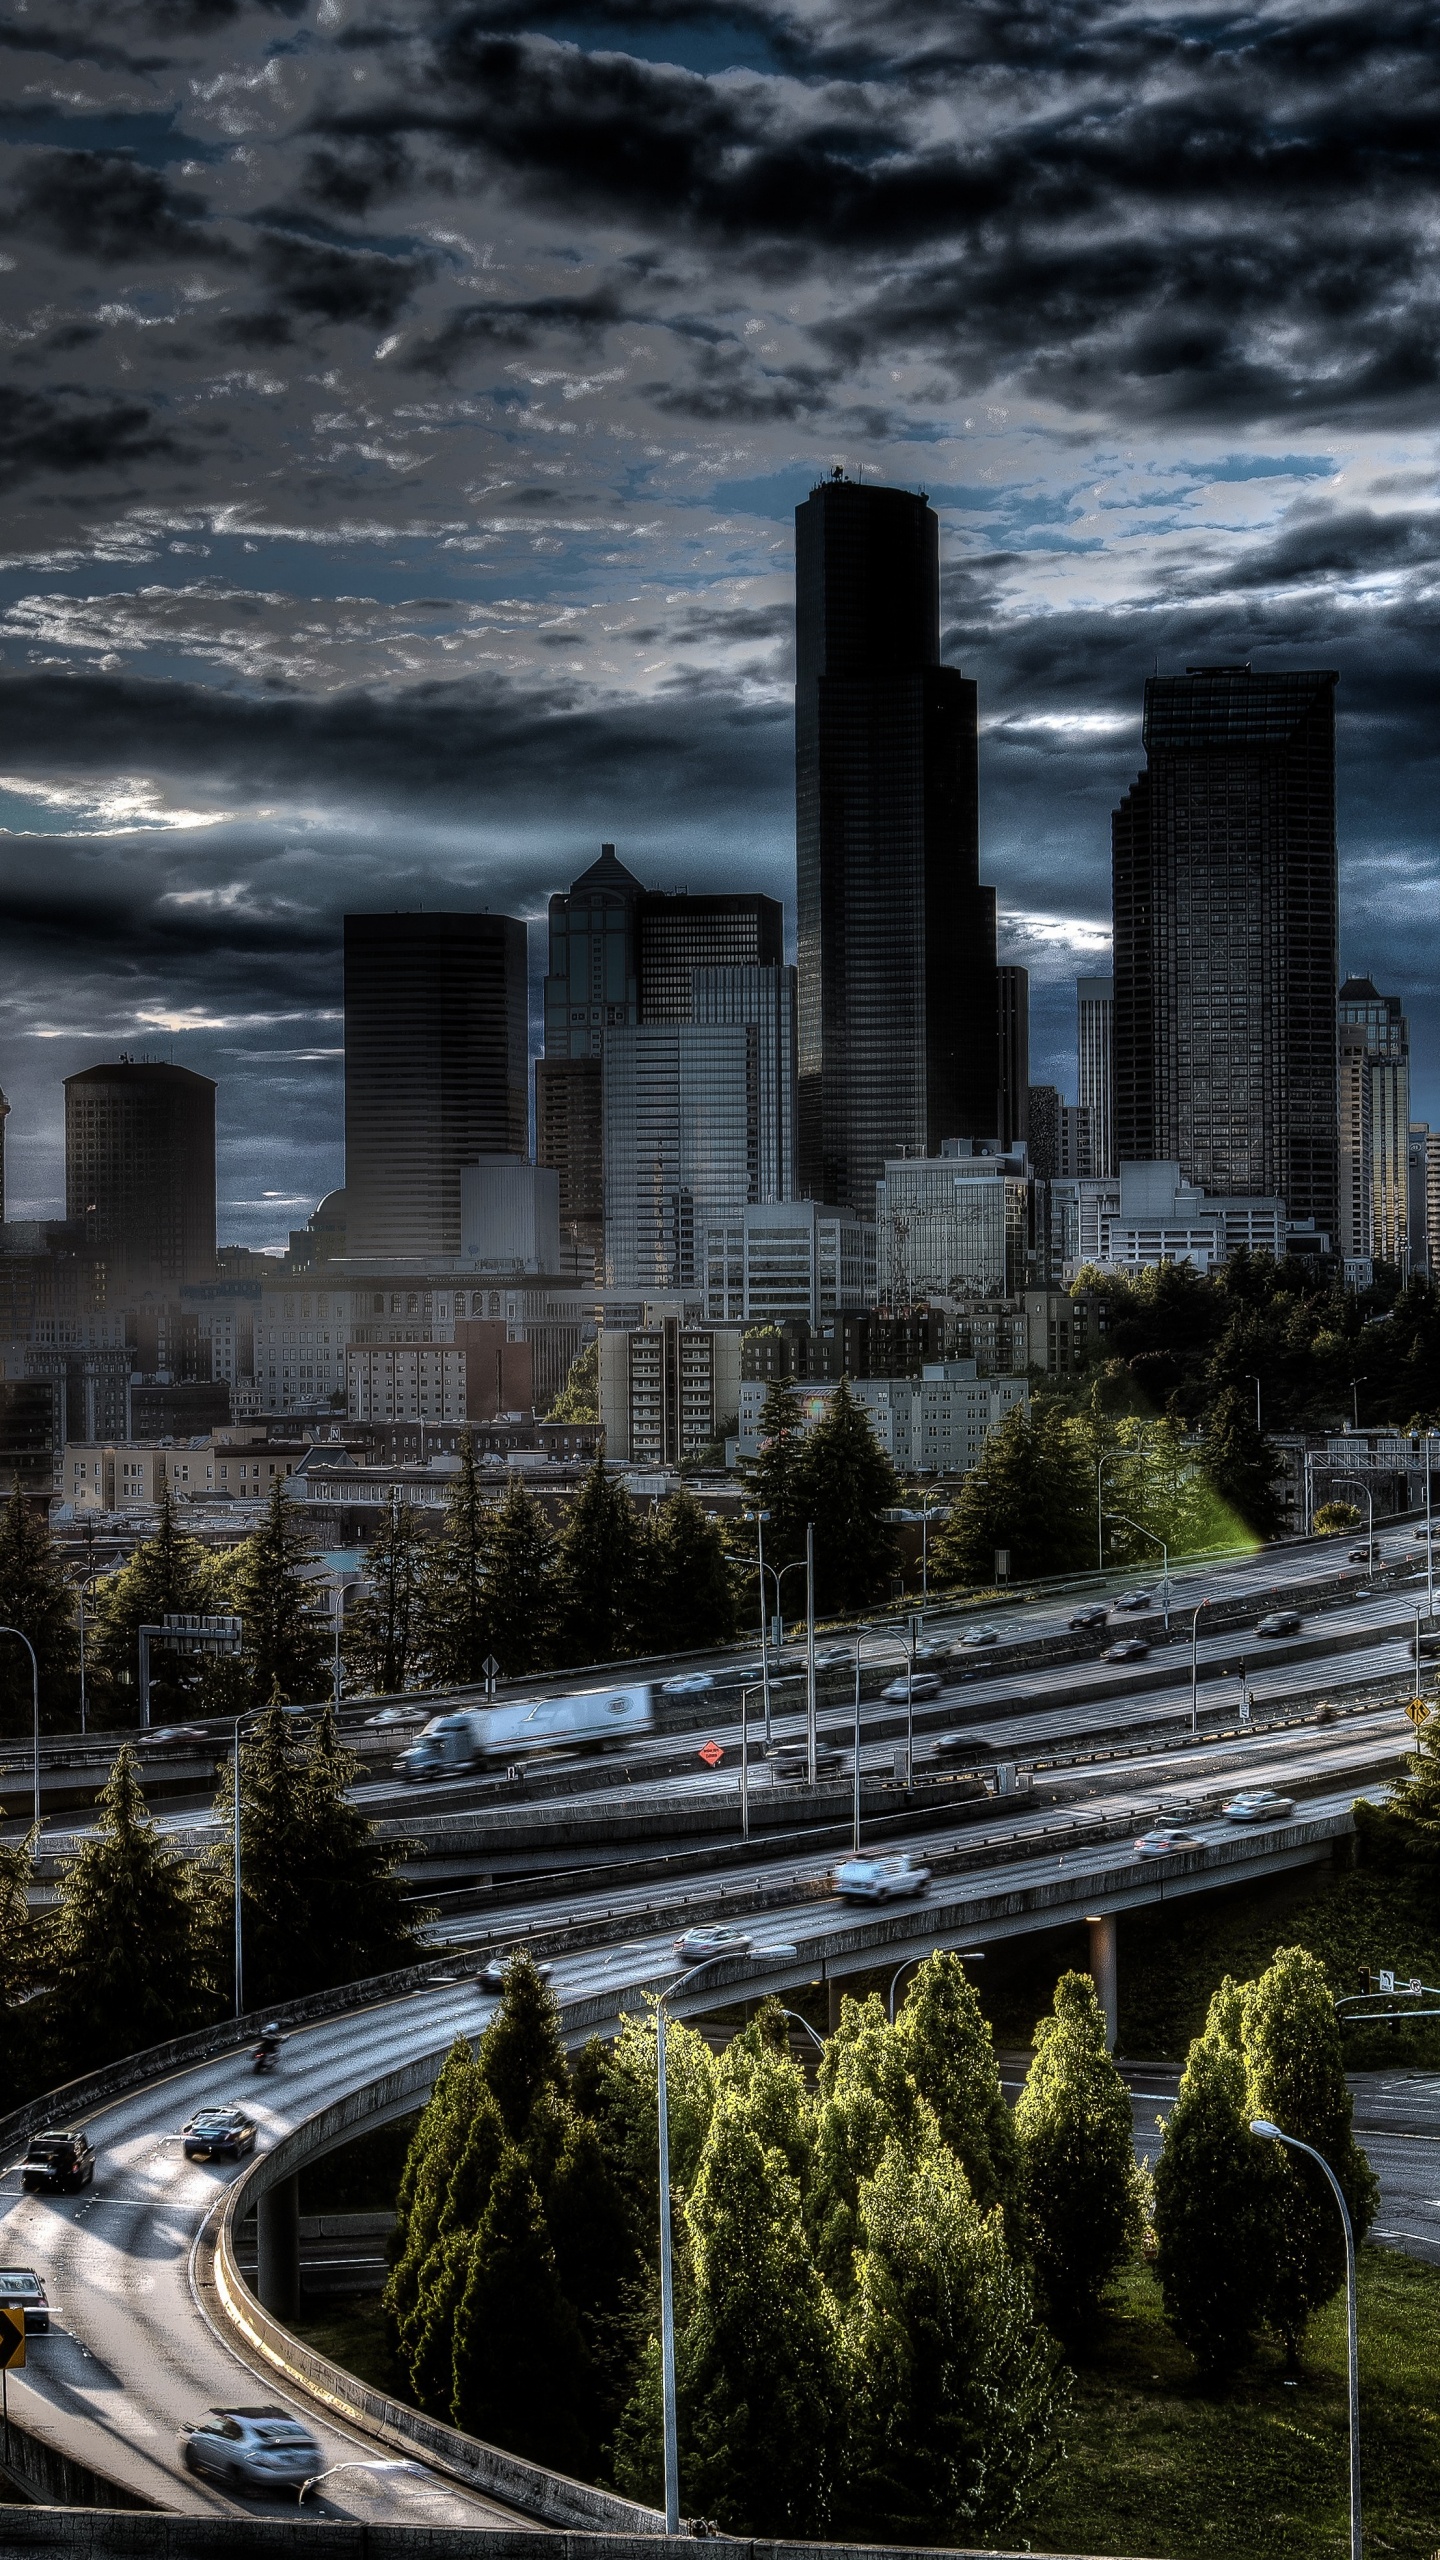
267 2052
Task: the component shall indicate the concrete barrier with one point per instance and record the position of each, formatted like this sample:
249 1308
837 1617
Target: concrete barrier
158 2537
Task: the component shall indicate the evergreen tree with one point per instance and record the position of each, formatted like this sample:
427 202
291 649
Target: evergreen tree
36 1598
127 1951
600 2265
428 2338
381 1632
867 2099
758 2062
1215 2196
579 1398
945 2039
169 1574
21 2035
1241 1464
595 1572
453 1633
274 1844
355 1920
957 2391
844 1484
1296 2078
287 1641
1402 1835
435 2147
1031 1493
519 1592
520 2363
688 1592
772 1485
1080 2186
625 2104
521 2054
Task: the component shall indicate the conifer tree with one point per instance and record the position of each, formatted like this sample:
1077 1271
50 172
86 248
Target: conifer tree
772 1481
1216 2190
169 1574
36 1598
600 2267
127 1952
945 2039
274 1844
521 2054
21 2033
867 2099
1402 1835
595 1572
1080 2186
1240 1463
1295 2077
355 1920
381 1632
435 2147
453 1610
844 1484
287 1641
520 1588
688 1589
520 2361
1030 1493
428 2340
957 2391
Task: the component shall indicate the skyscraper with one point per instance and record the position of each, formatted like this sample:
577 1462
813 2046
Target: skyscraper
1354 1222
681 1147
590 986
897 988
1095 1028
435 1070
1012 986
677 933
140 1171
1386 1035
1225 937
763 1000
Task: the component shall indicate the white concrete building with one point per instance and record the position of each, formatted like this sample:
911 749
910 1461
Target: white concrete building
936 1424
782 1259
405 1382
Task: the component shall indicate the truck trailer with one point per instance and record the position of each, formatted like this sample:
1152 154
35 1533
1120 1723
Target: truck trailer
480 1737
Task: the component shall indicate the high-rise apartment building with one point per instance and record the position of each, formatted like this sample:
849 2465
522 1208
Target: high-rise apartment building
1225 937
1095 1043
140 1172
1354 1216
1012 986
682 1147
1386 1034
677 933
1061 1136
762 1001
1418 1155
435 1070
898 1034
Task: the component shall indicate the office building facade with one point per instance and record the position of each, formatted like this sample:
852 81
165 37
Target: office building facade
1381 1024
956 1225
790 1261
1095 1047
140 1172
761 1001
1225 937
1013 1014
1418 1157
436 1071
682 1147
677 933
896 940
1353 1225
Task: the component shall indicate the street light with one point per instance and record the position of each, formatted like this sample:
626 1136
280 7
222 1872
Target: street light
796 2020
935 1502
967 1955
1355 1386
1268 2132
760 1518
35 1702
1255 1383
667 2273
1111 1455
1142 1532
1360 1486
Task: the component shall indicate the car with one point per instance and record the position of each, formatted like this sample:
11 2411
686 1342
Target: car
491 1976
1360 1555
736 1673
1129 1649
1279 1622
22 2290
792 1760
178 1733
218 2133
1165 1839
919 1684
713 1940
1136 1600
833 1657
1421 1534
953 1746
252 2449
58 2159
1094 1614
1259 1804
974 1636
399 1715
932 1653
688 1684
879 1879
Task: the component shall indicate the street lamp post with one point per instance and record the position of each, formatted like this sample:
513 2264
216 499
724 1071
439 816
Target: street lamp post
35 1704
1101 1465
1195 1670
760 1519
1359 1485
810 1744
1355 1386
856 1752
1268 2132
967 1955
1255 1383
1142 1532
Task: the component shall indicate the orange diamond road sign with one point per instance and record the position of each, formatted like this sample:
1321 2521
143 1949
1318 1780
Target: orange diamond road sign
1418 1712
711 1753
12 2336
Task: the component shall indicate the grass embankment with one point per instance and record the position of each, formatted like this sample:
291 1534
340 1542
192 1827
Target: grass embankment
352 2333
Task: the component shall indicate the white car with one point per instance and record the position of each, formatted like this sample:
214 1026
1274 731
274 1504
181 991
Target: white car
979 1635
879 1879
491 1976
1259 1804
1165 1839
833 1657
923 1684
399 1715
688 1684
713 1941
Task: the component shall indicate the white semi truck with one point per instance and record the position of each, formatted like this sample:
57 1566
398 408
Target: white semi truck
477 1737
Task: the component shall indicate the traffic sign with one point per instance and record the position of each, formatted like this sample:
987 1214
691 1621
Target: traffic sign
1418 1711
711 1753
12 2336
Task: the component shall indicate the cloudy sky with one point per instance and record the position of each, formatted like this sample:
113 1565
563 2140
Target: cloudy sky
406 404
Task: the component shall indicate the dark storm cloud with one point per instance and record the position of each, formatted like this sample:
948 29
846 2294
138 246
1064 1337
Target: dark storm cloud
512 325
95 204
1342 543
71 434
338 282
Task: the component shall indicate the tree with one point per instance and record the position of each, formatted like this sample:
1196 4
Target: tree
1402 1835
436 2145
1295 2077
957 2391
1079 2181
772 1485
1215 2194
945 2039
127 1953
1334 1519
519 2357
274 1839
381 1632
689 1599
867 2099
169 1574
1030 1493
355 1919
844 1484
521 2053
453 1633
1240 1463
519 1589
36 1598
287 1641
579 1398
595 1572
20 2043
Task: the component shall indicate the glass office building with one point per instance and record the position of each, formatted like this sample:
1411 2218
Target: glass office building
1381 1025
763 1002
681 1147
677 933
1095 1043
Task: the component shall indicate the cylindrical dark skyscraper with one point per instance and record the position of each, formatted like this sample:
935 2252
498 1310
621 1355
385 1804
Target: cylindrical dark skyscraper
897 1015
140 1171
1226 936
435 1071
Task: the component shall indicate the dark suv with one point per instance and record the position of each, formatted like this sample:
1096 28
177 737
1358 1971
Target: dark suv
58 2159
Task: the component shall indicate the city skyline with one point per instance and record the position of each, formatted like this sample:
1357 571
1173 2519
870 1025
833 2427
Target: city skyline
400 498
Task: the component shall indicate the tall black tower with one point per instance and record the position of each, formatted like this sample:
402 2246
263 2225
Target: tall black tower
1225 937
897 988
